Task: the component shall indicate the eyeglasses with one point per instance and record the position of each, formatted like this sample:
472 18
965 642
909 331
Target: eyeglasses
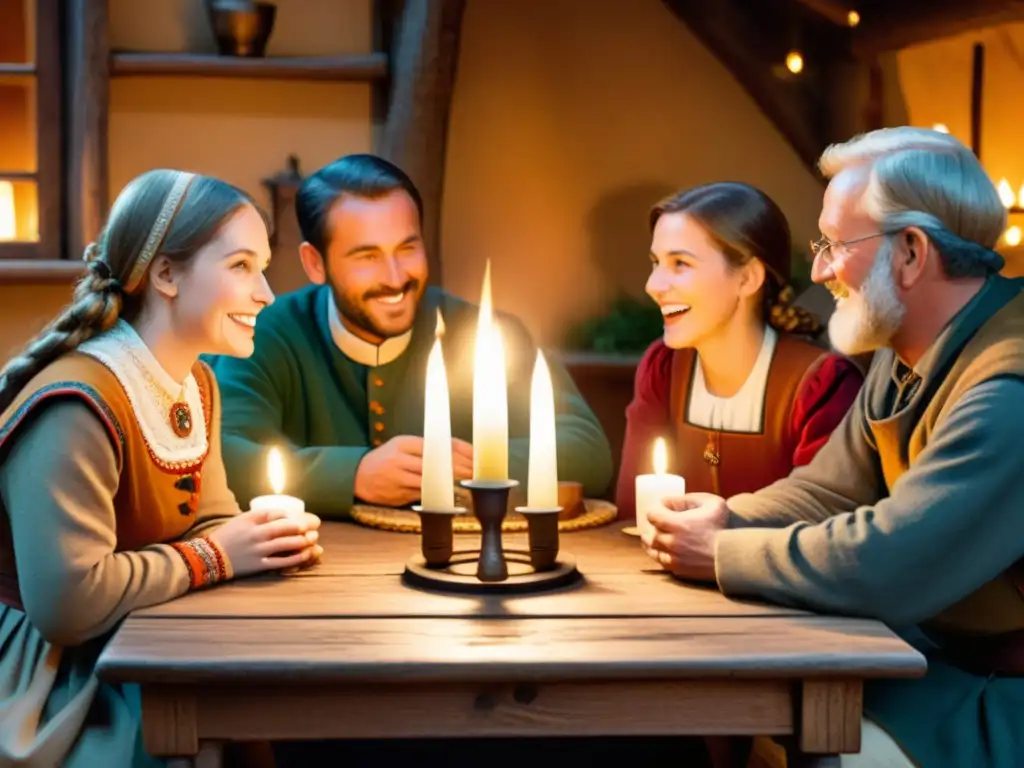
824 246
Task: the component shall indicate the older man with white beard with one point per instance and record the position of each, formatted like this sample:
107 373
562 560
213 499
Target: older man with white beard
913 512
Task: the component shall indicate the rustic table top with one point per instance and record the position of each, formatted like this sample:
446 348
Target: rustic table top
352 619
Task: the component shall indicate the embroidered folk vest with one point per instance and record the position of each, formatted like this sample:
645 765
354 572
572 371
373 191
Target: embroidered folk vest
996 349
727 463
156 500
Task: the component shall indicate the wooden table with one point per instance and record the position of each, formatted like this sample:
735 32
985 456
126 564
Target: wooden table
345 650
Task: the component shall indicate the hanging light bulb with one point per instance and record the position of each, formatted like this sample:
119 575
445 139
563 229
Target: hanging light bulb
1013 236
853 18
794 62
1005 193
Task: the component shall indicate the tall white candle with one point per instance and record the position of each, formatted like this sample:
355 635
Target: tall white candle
490 395
278 500
542 486
651 489
437 488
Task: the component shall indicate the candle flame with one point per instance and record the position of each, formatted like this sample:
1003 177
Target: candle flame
660 457
275 468
490 399
439 328
1006 193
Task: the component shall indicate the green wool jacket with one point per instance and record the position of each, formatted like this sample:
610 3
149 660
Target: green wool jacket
913 513
325 411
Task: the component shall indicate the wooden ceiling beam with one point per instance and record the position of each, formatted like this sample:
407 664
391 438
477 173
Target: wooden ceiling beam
899 25
730 32
836 11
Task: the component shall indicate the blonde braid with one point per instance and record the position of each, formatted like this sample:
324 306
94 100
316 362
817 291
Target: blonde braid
94 308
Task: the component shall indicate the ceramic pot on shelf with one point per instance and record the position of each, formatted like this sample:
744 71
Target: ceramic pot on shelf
241 27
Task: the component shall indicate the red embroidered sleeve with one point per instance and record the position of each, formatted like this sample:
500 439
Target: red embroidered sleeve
647 417
822 403
205 561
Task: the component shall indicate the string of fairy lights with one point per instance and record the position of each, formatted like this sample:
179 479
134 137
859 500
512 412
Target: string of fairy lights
1013 201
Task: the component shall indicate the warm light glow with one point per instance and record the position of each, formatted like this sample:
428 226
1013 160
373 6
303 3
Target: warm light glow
652 489
275 469
278 501
1013 236
490 394
1005 193
660 457
853 18
542 491
437 490
941 128
794 62
8 220
1020 195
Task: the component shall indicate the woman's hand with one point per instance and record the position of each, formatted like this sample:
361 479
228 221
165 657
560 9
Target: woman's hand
267 540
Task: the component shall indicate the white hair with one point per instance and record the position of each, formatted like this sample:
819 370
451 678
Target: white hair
930 180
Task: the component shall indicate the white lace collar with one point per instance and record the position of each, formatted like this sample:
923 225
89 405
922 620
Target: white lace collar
362 351
151 390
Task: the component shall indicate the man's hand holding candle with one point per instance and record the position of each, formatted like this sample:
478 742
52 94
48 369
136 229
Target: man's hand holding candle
682 536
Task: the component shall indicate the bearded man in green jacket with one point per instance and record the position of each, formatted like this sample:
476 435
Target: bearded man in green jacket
338 376
913 512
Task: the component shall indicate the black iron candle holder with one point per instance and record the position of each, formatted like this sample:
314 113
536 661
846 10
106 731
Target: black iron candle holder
542 527
437 540
490 505
440 566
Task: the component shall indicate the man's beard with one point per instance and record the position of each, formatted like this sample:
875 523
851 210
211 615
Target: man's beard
353 308
869 318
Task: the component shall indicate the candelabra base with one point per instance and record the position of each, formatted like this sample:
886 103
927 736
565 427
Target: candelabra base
459 574
492 568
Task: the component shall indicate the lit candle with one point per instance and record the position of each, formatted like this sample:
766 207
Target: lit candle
437 486
8 220
278 501
651 489
542 487
490 396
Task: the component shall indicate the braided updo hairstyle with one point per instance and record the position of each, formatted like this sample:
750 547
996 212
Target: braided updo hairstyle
744 224
114 285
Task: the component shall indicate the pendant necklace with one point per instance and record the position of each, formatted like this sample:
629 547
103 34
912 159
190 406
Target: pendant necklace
179 415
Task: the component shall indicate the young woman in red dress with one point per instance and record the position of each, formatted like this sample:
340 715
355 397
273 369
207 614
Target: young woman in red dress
739 398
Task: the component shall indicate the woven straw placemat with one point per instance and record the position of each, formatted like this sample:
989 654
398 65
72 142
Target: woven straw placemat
598 512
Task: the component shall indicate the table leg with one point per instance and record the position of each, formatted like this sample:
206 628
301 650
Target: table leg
830 716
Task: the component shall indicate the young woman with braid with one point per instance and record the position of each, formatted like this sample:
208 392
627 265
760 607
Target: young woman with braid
738 397
112 489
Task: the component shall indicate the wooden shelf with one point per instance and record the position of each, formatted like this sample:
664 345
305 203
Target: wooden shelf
17 69
40 270
18 175
361 68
